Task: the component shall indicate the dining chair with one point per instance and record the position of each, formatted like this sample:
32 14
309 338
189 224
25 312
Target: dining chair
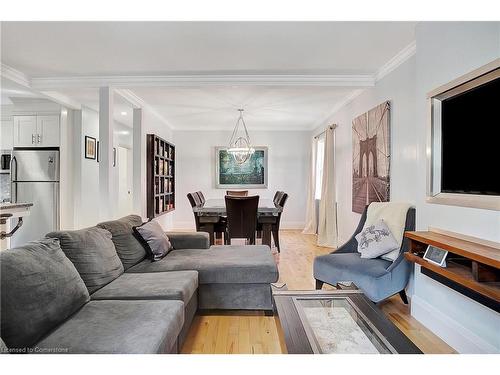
241 218
219 228
276 201
234 193
275 228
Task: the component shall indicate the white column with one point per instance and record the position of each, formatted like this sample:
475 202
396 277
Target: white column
78 151
138 180
106 203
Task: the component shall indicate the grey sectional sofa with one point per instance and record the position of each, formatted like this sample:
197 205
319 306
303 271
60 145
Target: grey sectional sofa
95 290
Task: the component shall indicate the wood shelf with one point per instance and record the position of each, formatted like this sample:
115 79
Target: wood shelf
460 274
470 266
472 250
160 176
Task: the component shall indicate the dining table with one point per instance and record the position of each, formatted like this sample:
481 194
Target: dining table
213 209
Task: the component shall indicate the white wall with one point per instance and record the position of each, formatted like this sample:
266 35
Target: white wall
445 51
288 161
88 212
399 88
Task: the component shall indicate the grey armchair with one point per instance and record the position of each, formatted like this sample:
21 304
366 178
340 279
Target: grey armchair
378 278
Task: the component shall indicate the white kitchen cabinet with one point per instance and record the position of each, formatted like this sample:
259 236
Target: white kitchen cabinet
25 131
6 135
47 131
36 131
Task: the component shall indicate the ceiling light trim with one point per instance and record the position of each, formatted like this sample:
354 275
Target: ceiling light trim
360 80
400 58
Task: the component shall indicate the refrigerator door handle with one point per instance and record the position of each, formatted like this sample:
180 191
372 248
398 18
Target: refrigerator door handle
13 177
56 206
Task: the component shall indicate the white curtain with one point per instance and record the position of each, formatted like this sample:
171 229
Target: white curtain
311 221
327 222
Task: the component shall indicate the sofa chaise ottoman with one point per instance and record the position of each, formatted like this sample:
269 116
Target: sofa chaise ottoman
229 277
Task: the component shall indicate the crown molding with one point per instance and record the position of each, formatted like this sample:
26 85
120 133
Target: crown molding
15 75
131 98
49 83
62 99
396 61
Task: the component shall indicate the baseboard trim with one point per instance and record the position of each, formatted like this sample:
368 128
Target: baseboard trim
454 334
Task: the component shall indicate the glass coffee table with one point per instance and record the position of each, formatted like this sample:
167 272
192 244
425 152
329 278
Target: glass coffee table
336 322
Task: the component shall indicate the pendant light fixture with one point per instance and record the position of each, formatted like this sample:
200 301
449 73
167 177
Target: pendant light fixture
239 145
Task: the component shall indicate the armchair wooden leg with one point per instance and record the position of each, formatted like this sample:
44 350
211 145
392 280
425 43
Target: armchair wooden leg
319 284
403 296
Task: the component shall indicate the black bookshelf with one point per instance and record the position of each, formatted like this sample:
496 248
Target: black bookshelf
160 164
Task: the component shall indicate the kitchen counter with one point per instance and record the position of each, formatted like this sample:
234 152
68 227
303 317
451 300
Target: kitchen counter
20 209
7 206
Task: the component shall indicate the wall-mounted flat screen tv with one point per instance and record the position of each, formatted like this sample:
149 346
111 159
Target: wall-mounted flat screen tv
470 139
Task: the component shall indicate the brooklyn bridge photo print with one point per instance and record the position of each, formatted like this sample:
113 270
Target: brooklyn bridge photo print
371 157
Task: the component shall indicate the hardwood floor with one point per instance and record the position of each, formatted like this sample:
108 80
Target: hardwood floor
243 332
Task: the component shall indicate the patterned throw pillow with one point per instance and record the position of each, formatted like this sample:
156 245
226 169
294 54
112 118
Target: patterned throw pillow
155 240
376 240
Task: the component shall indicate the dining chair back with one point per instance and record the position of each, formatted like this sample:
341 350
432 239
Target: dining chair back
194 201
277 197
201 197
190 197
234 193
242 217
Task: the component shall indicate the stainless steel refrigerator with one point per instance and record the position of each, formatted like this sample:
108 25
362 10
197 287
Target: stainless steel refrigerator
35 178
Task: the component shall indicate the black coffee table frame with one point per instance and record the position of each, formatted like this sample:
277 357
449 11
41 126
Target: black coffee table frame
296 334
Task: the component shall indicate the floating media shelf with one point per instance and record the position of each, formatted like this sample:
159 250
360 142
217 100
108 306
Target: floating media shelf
160 162
472 268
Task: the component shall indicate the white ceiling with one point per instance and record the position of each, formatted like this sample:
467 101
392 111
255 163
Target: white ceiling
266 108
77 49
122 48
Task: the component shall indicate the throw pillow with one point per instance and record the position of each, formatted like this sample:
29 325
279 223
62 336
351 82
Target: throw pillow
40 289
130 250
376 240
93 254
154 239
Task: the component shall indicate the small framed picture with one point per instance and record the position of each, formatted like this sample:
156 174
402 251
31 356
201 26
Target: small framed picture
97 151
90 148
436 255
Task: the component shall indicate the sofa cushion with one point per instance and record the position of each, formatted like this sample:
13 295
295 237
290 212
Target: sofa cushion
219 264
93 254
176 285
189 240
119 327
348 266
40 288
369 275
154 239
128 247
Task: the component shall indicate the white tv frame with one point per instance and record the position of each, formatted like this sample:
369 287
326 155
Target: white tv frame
434 195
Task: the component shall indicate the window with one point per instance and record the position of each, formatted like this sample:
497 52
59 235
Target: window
320 155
